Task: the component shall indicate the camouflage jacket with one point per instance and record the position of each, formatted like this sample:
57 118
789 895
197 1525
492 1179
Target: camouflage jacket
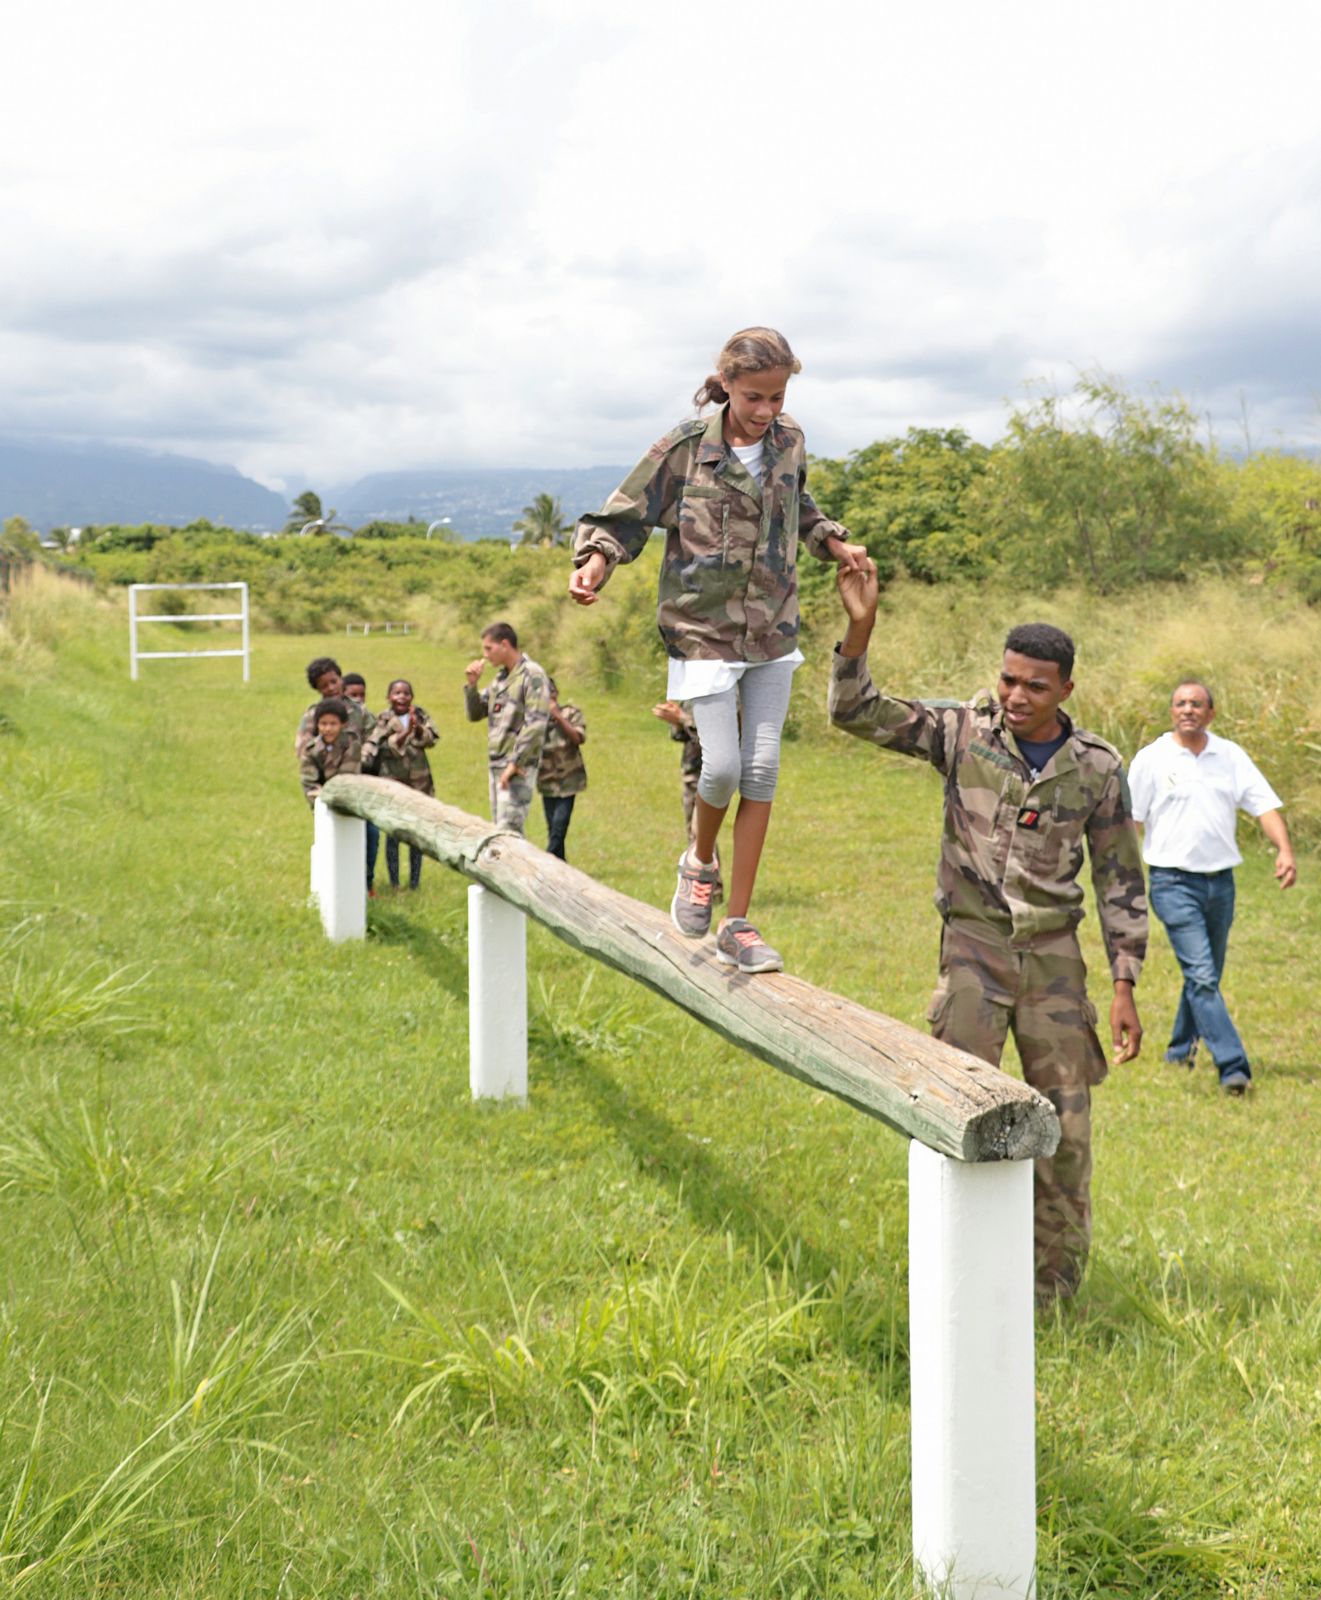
518 706
320 762
563 770
690 758
360 722
1013 845
393 751
729 575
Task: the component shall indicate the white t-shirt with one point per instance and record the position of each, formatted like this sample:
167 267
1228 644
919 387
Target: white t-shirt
1188 802
750 455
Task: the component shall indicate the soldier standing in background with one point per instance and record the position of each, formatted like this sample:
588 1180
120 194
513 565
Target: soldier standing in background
397 748
562 775
517 706
1023 789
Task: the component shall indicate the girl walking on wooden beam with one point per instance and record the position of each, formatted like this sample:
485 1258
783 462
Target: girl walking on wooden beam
730 492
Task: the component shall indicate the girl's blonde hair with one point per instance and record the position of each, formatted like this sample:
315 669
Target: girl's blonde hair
750 350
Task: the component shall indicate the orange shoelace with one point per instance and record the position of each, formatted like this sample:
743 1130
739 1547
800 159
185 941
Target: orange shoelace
700 893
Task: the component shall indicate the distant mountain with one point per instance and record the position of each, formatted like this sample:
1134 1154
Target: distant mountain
55 485
480 503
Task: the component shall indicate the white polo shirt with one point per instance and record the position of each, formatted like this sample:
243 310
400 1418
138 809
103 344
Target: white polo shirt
1188 803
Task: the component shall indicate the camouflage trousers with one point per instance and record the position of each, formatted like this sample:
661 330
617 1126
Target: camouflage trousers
986 987
688 784
509 807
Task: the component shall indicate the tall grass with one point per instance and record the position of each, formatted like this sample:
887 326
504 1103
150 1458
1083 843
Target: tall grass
39 614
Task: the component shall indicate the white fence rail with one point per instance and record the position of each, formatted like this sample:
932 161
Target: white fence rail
970 1261
135 618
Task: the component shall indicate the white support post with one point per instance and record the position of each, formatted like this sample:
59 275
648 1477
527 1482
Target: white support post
497 997
133 631
339 872
970 1310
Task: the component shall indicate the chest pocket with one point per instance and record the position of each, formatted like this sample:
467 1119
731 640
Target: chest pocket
704 521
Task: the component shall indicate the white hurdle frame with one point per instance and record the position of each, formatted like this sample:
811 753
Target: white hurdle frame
135 655
970 1270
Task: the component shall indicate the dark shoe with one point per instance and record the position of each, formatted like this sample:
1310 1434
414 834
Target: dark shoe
738 944
690 910
1235 1083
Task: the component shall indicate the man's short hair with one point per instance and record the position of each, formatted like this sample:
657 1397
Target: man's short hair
502 633
354 677
330 708
320 667
1043 642
1194 683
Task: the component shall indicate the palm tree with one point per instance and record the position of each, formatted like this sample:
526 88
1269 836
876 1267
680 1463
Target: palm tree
308 517
543 522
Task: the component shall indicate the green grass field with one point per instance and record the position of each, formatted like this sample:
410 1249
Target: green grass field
283 1313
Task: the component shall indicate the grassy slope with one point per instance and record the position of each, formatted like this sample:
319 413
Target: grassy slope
661 1312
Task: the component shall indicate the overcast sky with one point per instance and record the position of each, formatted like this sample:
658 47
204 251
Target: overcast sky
317 240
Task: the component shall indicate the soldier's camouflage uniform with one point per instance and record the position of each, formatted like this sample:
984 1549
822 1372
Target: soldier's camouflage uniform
393 751
517 705
729 575
360 721
562 770
1008 893
320 762
690 764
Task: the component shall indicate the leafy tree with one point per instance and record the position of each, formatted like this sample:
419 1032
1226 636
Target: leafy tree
307 510
907 500
543 522
20 538
1277 502
1106 489
62 539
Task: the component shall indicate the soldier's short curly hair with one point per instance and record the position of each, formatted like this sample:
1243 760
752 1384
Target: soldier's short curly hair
502 633
320 667
395 681
330 708
354 677
1043 642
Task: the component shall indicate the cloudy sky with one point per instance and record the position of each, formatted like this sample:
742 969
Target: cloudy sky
317 240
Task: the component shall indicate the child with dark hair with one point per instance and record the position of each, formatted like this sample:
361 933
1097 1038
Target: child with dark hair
731 493
335 748
397 748
562 774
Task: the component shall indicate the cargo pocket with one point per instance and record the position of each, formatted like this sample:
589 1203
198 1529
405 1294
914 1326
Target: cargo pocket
1098 1063
938 1009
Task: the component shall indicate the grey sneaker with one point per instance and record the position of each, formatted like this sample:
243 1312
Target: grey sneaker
738 944
1235 1083
690 910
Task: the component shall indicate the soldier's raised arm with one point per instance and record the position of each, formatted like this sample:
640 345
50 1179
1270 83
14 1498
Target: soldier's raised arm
926 729
476 702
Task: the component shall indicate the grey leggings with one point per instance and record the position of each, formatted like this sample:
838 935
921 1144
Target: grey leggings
751 763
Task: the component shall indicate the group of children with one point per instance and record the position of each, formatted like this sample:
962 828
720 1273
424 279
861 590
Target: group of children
338 734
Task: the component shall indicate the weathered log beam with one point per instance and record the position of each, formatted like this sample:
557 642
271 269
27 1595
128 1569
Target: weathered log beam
947 1099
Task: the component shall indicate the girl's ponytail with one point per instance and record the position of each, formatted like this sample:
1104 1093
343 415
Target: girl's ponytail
711 393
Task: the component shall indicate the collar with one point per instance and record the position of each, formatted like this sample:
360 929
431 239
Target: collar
1212 740
713 449
1064 758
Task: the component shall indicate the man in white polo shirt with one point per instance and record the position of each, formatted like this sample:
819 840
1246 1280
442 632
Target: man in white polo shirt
1187 789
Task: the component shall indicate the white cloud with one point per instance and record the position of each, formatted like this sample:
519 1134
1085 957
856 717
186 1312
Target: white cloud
349 240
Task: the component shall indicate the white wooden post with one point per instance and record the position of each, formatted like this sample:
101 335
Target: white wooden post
339 872
497 997
970 1310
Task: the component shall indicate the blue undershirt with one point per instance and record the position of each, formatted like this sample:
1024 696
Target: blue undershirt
1037 752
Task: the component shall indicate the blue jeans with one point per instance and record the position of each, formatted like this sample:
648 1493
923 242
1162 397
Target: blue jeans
559 812
373 845
1197 909
392 862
